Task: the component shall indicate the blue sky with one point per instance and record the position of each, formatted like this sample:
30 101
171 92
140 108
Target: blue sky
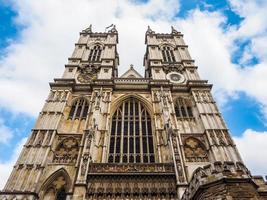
29 32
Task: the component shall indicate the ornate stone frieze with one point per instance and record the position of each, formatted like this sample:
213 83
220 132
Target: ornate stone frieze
131 186
107 168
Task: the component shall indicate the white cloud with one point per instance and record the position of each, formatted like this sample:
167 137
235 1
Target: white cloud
52 27
5 133
7 166
252 147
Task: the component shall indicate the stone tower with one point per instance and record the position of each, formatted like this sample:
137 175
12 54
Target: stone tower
100 136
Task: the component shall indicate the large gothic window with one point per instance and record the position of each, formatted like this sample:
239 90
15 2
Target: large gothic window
131 139
167 54
95 54
79 109
183 108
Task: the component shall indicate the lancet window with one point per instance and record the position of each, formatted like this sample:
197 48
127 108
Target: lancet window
79 109
131 138
95 54
183 108
167 54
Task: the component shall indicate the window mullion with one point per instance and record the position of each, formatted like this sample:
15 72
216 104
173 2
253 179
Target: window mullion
147 139
76 108
141 133
134 133
185 108
82 110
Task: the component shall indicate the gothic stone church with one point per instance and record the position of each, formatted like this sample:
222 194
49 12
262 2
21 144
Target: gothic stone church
161 136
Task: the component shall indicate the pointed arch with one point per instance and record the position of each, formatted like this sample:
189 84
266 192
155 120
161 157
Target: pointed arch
167 51
146 103
95 52
56 186
131 138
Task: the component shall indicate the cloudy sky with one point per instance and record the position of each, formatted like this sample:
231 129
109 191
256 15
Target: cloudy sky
227 38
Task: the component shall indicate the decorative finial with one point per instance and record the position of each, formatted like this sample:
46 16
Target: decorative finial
131 66
89 29
149 30
174 31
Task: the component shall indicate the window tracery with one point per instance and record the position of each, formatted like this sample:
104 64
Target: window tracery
131 138
167 54
95 54
79 109
183 108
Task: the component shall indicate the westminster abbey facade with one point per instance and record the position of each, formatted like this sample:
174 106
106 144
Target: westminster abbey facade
157 136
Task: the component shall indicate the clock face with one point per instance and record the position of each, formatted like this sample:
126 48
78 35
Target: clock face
175 77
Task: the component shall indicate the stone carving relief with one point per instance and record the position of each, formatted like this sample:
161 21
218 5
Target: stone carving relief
195 150
66 151
87 73
130 168
124 186
173 68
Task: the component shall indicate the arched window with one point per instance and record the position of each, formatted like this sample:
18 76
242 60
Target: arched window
195 150
167 54
183 108
95 54
79 109
131 139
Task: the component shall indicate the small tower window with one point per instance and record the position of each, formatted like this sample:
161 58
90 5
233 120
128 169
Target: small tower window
183 108
95 54
167 54
79 109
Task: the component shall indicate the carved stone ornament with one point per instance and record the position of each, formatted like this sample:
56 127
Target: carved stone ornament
173 68
175 77
194 150
87 73
66 151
